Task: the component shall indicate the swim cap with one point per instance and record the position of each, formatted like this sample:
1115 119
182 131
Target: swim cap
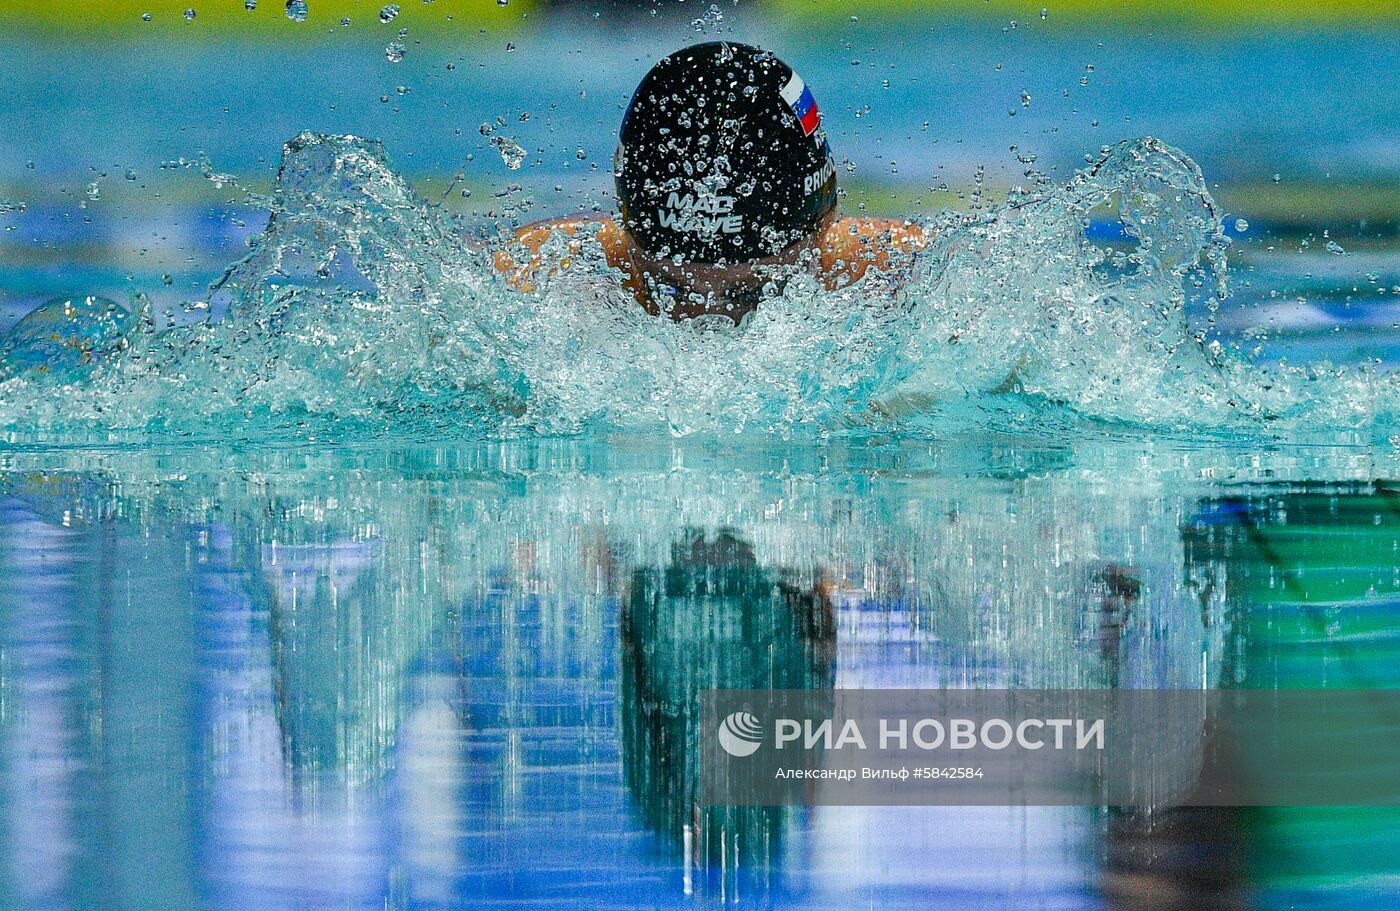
722 158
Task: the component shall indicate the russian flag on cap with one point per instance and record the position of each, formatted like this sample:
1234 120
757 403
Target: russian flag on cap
796 94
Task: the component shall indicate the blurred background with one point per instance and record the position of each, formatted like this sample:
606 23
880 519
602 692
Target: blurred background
133 131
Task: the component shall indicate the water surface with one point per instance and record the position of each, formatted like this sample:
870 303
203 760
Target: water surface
454 676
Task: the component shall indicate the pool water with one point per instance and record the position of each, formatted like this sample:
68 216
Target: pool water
345 578
460 676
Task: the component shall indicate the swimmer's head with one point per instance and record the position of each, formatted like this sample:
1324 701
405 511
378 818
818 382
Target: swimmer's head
722 159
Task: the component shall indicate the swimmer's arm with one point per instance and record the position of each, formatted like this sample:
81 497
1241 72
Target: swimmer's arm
522 262
853 246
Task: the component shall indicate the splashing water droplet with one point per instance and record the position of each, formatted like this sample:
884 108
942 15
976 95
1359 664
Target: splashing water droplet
344 21
250 5
189 13
67 337
394 52
145 17
1335 248
389 13
1241 226
1014 285
297 10
711 21
511 152
503 2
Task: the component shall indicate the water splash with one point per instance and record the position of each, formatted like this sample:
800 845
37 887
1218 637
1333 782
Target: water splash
66 336
363 310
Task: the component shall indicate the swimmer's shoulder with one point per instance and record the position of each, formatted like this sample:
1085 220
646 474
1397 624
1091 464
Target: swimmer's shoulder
850 246
877 233
522 259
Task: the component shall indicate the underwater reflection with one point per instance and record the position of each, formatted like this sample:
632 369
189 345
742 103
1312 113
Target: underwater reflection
1311 572
443 678
712 618
1309 576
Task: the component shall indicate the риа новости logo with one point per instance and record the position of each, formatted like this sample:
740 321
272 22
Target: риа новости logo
740 734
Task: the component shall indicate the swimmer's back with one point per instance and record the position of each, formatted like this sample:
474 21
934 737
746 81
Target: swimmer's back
848 249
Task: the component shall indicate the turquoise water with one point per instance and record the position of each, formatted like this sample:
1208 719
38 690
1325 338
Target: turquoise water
334 574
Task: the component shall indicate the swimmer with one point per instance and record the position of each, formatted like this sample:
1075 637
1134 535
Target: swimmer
726 187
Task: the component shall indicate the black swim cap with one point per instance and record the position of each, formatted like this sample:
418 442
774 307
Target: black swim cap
722 158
